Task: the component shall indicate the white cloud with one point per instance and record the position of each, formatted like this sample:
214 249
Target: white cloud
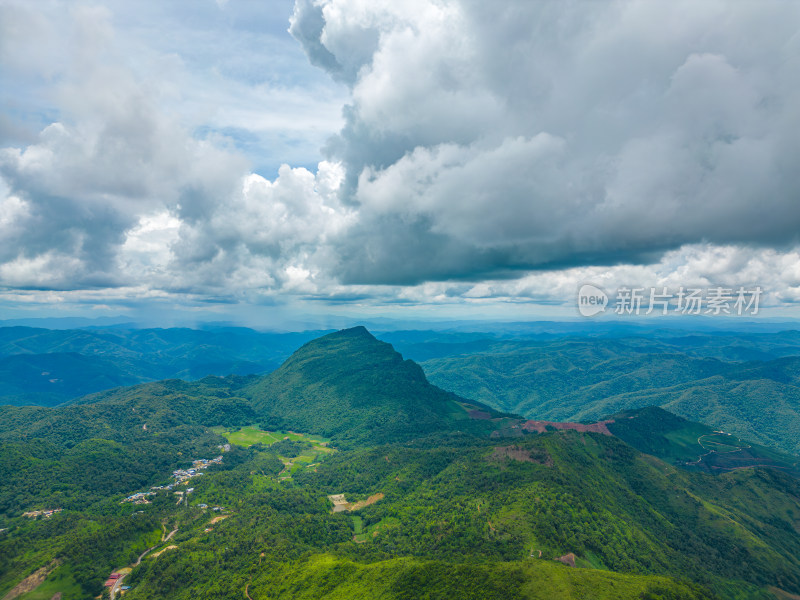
663 128
489 151
266 235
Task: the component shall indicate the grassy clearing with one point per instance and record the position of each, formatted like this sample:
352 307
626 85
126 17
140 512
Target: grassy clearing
60 580
358 529
364 533
247 436
590 561
720 442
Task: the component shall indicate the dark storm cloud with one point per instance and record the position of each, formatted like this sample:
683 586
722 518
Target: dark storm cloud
484 139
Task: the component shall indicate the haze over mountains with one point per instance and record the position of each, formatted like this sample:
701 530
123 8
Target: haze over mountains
48 367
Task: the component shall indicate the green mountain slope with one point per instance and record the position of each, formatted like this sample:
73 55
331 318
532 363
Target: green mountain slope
693 445
444 498
47 367
110 443
418 578
763 410
470 518
354 388
586 379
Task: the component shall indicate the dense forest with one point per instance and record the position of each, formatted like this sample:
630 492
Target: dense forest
356 478
748 384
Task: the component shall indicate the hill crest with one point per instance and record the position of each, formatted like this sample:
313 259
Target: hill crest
352 386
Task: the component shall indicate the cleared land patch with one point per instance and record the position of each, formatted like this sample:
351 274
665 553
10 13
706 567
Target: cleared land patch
340 503
31 582
251 434
307 458
364 533
160 552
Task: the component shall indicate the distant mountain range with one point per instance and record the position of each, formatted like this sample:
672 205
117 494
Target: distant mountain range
744 383
47 367
747 384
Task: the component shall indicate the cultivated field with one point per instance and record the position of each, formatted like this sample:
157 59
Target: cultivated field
308 458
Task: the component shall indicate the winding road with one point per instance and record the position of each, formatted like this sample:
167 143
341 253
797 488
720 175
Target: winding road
702 456
164 538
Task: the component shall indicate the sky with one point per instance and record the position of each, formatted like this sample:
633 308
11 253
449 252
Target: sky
444 159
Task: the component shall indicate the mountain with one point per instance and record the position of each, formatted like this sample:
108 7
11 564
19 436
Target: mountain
350 386
587 379
346 385
540 370
49 379
48 367
694 446
444 498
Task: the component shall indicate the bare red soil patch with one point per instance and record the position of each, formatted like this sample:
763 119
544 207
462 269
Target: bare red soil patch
531 455
541 426
567 559
479 414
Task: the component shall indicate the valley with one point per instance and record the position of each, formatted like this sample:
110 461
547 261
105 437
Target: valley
346 474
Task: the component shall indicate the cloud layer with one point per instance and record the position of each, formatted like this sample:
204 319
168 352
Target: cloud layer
504 151
542 135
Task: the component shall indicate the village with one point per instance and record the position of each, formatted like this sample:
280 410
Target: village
46 513
181 477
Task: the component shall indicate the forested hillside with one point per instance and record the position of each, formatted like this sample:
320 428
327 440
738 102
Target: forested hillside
360 389
395 489
698 377
47 367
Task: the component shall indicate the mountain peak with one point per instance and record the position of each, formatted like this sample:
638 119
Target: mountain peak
357 331
351 385
350 351
352 335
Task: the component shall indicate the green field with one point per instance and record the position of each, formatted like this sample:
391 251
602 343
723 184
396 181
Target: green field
358 529
251 434
60 580
247 436
365 533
